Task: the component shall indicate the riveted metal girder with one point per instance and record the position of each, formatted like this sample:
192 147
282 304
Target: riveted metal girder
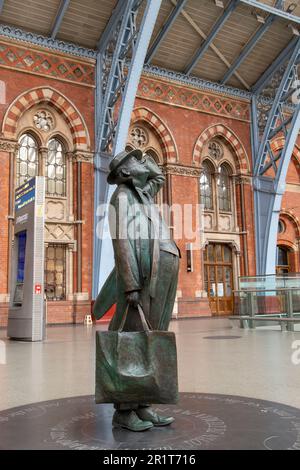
211 36
250 45
120 59
59 17
274 122
281 13
164 30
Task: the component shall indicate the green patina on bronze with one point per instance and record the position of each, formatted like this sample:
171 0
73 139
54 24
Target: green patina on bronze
136 364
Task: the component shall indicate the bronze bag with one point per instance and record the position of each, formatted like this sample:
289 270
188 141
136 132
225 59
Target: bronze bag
137 366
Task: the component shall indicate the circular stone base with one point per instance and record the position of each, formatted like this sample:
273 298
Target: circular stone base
202 421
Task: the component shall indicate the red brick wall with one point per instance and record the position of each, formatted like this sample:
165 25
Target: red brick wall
185 126
82 97
87 227
18 82
4 209
185 113
290 212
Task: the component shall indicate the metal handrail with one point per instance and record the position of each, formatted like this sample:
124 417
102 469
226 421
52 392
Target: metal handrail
285 289
250 300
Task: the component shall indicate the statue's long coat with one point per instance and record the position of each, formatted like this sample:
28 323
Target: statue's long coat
137 254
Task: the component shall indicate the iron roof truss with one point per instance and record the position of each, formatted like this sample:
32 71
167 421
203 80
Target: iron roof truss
213 33
59 17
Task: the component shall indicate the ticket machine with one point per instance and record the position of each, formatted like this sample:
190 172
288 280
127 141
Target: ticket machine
26 317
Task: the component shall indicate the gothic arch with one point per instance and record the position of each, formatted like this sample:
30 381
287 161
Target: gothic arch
164 135
278 144
223 131
288 213
55 99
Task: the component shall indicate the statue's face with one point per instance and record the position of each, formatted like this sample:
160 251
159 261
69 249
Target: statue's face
134 170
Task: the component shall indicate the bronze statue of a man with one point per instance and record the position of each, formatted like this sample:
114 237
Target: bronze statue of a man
146 264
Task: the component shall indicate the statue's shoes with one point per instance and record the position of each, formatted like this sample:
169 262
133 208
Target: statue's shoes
130 420
147 414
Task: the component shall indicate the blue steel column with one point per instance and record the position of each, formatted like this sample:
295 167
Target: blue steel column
115 84
268 190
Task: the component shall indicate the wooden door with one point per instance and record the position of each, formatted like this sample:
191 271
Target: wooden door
219 278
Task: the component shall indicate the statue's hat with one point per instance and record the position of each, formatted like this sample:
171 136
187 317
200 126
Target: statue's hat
118 160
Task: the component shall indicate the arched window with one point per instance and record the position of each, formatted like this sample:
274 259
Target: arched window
56 169
206 186
281 226
224 188
154 155
27 159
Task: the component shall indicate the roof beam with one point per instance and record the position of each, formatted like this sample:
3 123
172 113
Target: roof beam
211 36
280 59
164 30
250 46
1 6
201 33
114 18
275 11
59 17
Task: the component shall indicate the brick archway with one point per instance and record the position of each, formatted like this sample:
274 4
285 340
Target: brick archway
278 144
164 135
52 98
223 131
288 213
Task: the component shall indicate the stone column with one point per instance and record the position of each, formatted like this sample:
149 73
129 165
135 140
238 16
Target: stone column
69 271
43 154
8 151
70 158
83 160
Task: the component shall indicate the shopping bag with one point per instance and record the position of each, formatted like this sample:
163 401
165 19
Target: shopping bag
137 366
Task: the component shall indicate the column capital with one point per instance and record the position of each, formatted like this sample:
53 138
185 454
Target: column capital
181 170
242 179
83 156
9 145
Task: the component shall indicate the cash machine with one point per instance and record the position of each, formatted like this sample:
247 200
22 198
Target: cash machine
26 316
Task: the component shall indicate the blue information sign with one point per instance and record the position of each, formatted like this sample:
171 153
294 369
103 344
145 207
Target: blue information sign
25 194
21 255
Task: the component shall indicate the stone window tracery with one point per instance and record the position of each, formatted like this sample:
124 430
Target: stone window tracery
56 169
215 150
43 120
206 186
217 194
41 154
224 188
138 137
27 159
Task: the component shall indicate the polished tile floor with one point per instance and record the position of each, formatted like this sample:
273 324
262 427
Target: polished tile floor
213 358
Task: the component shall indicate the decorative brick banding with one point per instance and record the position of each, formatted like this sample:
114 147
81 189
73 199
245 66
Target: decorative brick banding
278 144
162 132
220 130
52 98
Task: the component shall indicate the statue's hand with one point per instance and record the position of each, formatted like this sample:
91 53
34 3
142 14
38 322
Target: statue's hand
133 298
